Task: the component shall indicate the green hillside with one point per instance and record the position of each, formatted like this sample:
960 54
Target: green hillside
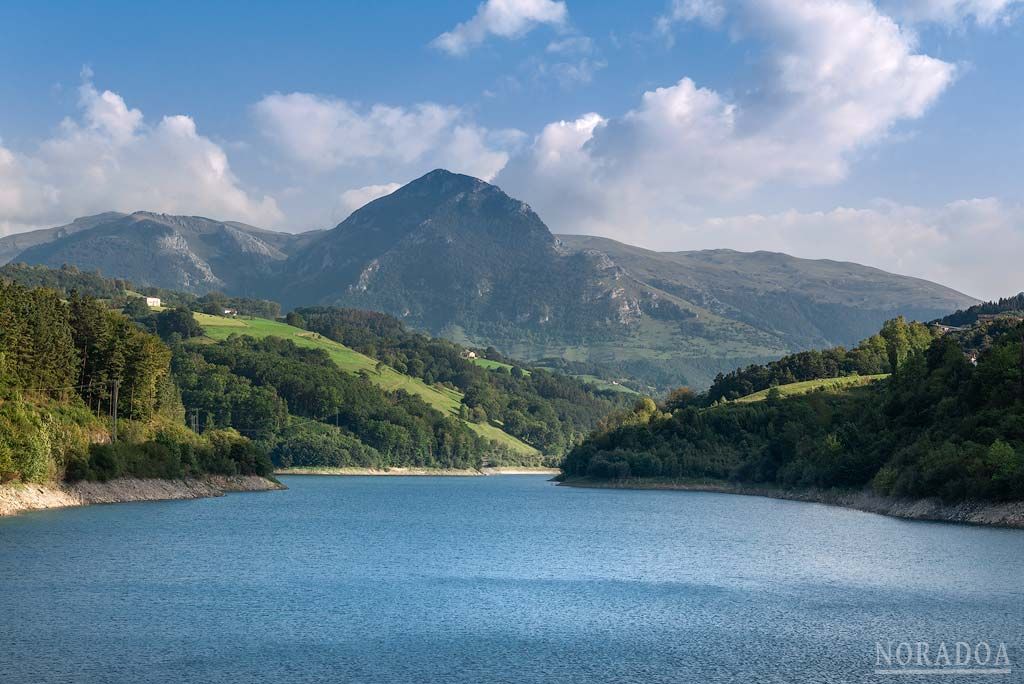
445 400
826 384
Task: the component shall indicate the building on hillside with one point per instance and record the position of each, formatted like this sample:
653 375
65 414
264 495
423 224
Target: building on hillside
231 312
468 354
943 329
153 302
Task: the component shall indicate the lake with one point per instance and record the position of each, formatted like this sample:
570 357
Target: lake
496 579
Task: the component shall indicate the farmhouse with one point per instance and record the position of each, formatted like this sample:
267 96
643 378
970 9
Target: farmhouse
153 302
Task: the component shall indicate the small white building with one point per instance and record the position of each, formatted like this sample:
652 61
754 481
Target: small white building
153 302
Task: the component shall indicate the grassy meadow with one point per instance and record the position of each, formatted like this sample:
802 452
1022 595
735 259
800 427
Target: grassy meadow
443 399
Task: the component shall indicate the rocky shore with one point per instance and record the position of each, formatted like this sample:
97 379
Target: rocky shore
1008 514
26 497
429 472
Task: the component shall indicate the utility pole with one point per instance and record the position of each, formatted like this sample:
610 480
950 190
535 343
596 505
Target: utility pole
114 407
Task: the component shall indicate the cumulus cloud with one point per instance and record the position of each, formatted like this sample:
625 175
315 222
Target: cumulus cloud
109 158
987 13
503 18
325 133
355 198
840 75
710 12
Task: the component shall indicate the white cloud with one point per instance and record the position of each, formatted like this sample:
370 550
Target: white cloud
571 61
503 18
711 12
579 45
355 198
110 159
324 134
840 75
987 13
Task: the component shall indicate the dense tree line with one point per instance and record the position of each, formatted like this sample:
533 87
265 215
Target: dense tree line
940 426
120 293
969 316
878 354
66 369
254 385
549 411
65 280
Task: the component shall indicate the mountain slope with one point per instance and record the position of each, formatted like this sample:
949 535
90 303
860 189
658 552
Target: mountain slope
175 252
442 250
457 256
807 303
444 400
12 245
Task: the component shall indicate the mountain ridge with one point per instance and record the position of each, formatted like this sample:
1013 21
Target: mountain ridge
456 256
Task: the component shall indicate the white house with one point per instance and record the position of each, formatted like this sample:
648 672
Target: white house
152 302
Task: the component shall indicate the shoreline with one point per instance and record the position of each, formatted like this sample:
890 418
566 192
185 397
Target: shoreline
416 472
983 513
20 498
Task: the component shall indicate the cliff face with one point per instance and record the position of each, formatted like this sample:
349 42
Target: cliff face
17 498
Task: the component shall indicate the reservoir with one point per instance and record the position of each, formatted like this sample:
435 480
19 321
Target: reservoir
492 579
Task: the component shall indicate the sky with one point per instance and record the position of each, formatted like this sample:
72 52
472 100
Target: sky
884 132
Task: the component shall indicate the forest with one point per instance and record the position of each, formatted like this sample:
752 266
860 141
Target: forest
873 356
75 346
550 411
942 425
309 413
87 394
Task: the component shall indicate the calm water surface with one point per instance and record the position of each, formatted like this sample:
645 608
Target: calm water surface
499 579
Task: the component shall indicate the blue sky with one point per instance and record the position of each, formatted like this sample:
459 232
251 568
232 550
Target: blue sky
887 132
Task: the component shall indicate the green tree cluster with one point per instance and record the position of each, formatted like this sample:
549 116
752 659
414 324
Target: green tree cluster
940 426
550 411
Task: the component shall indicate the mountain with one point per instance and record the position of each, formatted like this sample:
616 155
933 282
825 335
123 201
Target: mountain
12 245
449 250
807 303
457 257
176 252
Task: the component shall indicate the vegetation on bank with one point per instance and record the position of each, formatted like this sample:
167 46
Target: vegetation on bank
287 393
549 411
67 369
444 399
939 426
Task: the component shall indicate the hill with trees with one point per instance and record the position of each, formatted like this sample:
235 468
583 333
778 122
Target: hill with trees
877 355
970 316
86 394
943 425
456 257
392 398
